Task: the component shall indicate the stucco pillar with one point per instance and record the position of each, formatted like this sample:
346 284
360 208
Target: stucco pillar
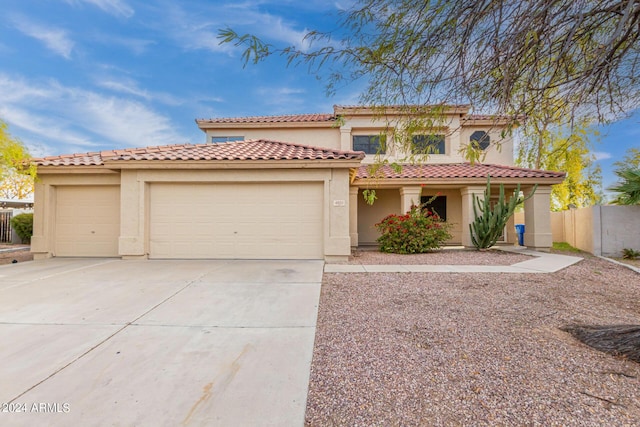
131 243
468 197
353 216
345 138
43 201
537 216
409 196
338 243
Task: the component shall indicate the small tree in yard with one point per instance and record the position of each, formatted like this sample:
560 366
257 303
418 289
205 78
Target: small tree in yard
415 232
489 225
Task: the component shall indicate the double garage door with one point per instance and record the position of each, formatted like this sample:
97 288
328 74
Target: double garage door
252 221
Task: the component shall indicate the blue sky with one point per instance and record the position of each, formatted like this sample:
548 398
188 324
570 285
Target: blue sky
87 75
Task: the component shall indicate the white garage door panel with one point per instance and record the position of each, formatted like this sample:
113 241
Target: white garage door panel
87 221
267 220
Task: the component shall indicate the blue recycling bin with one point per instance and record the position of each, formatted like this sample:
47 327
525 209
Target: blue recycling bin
520 231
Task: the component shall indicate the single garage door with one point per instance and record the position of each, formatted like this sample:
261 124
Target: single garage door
87 221
251 221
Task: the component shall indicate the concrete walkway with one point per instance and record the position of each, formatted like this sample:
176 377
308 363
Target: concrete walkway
541 262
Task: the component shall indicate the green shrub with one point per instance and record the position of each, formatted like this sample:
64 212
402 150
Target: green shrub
628 253
22 224
412 233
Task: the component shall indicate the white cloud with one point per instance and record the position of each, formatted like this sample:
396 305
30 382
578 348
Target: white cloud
69 119
112 7
130 87
601 155
285 97
55 39
200 30
137 46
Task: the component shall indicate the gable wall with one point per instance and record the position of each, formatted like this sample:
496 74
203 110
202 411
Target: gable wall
316 137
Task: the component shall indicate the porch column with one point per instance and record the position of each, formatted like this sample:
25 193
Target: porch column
353 216
537 217
409 196
468 197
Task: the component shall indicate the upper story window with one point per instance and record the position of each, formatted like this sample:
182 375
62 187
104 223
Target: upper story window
370 144
480 139
217 139
428 144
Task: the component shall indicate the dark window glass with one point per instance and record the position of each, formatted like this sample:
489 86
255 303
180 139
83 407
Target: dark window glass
370 144
480 139
438 205
428 144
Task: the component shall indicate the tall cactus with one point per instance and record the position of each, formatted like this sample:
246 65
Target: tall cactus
489 225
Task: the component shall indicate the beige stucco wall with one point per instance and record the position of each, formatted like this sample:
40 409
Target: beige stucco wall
389 202
318 137
500 152
134 193
341 137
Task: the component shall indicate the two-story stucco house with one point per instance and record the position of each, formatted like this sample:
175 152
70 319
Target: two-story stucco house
275 187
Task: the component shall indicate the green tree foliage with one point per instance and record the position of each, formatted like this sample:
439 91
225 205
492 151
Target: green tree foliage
628 187
547 145
490 221
507 57
631 159
13 158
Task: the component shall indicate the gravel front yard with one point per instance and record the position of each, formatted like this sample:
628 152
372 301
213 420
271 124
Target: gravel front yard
472 349
444 256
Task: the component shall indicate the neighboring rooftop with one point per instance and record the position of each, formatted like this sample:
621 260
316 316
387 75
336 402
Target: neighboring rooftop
454 170
259 149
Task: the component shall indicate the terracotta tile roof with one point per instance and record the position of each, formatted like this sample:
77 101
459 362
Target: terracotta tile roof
237 150
288 118
456 170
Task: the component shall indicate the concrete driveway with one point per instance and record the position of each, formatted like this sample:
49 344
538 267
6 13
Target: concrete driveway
111 342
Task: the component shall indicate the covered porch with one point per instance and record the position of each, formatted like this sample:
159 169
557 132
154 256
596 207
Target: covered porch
452 188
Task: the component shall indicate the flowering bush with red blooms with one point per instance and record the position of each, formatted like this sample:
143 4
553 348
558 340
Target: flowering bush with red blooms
415 232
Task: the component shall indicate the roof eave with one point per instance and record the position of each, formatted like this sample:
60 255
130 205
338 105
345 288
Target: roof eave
451 182
232 164
62 169
398 110
205 125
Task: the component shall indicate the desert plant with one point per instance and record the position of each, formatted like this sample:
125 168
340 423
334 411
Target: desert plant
489 225
23 225
628 253
628 187
417 231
